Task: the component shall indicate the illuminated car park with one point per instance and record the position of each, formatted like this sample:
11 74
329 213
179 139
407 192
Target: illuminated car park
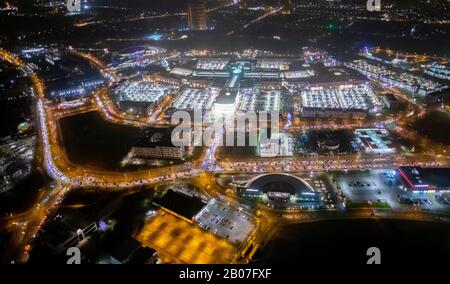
224 221
211 74
432 65
438 70
357 97
381 187
407 81
181 71
299 74
317 97
253 99
371 188
211 64
143 92
278 64
339 98
196 99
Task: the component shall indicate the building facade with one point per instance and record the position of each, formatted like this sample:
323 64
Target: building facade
196 10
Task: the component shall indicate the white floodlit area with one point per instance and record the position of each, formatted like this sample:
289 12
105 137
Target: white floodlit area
375 141
133 52
404 80
284 147
137 56
225 221
262 74
299 74
278 64
212 64
255 100
181 71
438 70
143 92
319 98
192 99
345 97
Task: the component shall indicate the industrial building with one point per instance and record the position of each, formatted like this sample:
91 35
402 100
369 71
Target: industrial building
157 144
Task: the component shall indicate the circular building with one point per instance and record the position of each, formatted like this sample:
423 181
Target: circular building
279 187
328 144
332 144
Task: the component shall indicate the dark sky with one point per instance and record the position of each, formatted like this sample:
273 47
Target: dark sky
157 5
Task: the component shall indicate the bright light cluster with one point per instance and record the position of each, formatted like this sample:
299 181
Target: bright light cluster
143 92
149 51
278 64
254 100
299 74
181 71
410 82
438 70
192 99
375 141
358 97
212 64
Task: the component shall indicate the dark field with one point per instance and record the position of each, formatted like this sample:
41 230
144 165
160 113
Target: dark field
23 196
92 141
346 241
308 142
435 125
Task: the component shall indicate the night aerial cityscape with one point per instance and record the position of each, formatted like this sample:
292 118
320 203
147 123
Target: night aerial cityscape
238 132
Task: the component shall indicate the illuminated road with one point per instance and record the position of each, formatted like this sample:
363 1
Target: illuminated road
107 72
328 163
262 17
24 226
61 170
176 240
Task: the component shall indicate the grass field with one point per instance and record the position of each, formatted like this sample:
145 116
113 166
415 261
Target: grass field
435 125
90 140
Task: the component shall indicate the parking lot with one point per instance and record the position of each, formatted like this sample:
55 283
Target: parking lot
429 201
387 186
375 186
225 221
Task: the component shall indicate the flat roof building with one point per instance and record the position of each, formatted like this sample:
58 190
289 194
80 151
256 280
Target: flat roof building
180 204
66 230
426 179
157 144
391 101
